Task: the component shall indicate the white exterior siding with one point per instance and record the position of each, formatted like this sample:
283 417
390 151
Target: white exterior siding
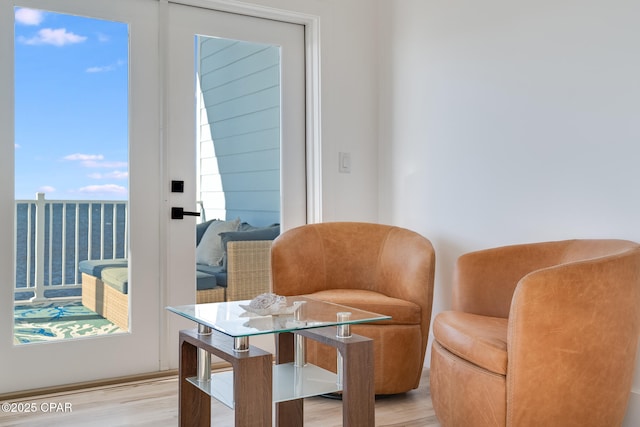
239 130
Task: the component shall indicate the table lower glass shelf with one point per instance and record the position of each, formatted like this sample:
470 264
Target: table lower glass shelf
289 383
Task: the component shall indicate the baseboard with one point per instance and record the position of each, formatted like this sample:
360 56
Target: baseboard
98 383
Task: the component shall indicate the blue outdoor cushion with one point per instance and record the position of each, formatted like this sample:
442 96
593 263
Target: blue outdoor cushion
217 271
117 278
249 234
205 281
258 233
96 266
200 229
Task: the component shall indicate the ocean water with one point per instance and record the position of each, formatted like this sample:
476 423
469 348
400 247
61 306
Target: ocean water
73 232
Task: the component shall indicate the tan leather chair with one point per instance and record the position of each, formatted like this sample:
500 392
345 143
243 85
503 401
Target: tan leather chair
540 334
380 268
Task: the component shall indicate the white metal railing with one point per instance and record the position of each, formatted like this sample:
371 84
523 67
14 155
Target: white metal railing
53 236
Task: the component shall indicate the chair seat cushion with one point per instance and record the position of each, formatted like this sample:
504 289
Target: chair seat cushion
480 340
402 312
217 271
205 281
117 278
94 267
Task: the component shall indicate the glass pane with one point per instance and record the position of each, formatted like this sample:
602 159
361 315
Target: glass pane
238 130
238 157
71 176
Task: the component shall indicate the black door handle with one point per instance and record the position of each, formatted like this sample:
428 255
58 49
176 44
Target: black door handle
180 213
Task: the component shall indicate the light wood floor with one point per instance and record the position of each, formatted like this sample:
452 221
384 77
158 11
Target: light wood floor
154 403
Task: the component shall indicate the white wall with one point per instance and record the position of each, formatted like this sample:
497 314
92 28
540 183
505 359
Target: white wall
506 122
349 111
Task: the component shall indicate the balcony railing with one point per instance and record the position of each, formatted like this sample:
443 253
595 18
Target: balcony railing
53 236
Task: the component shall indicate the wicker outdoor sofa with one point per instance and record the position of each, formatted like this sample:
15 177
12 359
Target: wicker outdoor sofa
242 270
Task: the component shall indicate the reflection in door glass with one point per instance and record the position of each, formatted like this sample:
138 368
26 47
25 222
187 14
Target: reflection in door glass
238 122
238 151
71 176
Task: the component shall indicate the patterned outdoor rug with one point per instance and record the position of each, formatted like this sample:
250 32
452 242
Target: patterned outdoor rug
58 320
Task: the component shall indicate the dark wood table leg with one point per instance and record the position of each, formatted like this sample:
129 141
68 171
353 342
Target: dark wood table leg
290 413
253 391
195 405
252 380
358 398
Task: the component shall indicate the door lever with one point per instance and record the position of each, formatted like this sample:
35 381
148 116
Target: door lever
180 213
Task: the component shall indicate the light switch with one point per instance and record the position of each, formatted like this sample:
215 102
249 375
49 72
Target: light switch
344 160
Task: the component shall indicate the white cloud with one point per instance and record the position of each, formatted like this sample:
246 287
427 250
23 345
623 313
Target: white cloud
101 69
55 37
103 38
107 188
26 16
105 68
110 175
46 189
95 161
16 146
111 165
119 174
83 157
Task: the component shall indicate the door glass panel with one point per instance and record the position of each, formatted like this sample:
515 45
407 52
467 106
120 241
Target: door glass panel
238 130
71 176
238 152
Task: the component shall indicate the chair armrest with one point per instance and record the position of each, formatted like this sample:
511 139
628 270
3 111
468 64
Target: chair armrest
248 269
484 281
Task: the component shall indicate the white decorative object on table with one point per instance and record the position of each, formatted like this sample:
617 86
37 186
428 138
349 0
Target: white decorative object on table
269 304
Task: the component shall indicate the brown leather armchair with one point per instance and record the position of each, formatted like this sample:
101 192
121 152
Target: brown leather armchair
540 334
380 268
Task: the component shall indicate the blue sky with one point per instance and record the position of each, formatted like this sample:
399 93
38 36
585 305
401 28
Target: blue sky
71 107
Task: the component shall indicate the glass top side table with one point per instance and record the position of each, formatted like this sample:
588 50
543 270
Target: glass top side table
233 320
224 330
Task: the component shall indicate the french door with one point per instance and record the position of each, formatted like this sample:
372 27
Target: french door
236 131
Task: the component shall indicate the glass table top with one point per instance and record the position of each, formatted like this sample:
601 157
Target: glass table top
232 319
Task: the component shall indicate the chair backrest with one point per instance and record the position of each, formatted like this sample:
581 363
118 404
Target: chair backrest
350 255
586 249
485 280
